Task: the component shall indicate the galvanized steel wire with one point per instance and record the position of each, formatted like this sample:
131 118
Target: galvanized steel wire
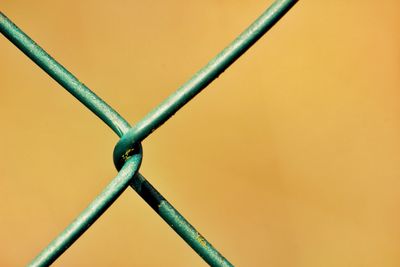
128 151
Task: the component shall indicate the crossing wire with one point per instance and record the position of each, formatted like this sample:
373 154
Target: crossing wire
128 151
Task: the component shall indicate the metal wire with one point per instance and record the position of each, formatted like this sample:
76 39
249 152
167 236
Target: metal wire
106 113
143 187
128 151
99 205
201 79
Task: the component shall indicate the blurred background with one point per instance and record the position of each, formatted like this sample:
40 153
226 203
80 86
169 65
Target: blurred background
290 158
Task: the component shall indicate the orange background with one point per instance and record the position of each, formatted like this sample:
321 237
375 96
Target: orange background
291 158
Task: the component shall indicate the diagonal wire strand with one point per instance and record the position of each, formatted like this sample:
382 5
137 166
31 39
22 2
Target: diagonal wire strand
166 211
65 78
132 136
202 78
87 217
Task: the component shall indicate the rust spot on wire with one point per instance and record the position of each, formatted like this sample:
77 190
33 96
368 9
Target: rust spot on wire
202 241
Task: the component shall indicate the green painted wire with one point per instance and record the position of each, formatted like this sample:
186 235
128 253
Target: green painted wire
66 79
201 79
96 208
133 136
61 243
178 223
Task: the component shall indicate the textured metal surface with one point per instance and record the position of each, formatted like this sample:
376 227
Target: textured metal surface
128 151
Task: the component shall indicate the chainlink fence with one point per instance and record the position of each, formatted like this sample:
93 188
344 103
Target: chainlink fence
128 151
